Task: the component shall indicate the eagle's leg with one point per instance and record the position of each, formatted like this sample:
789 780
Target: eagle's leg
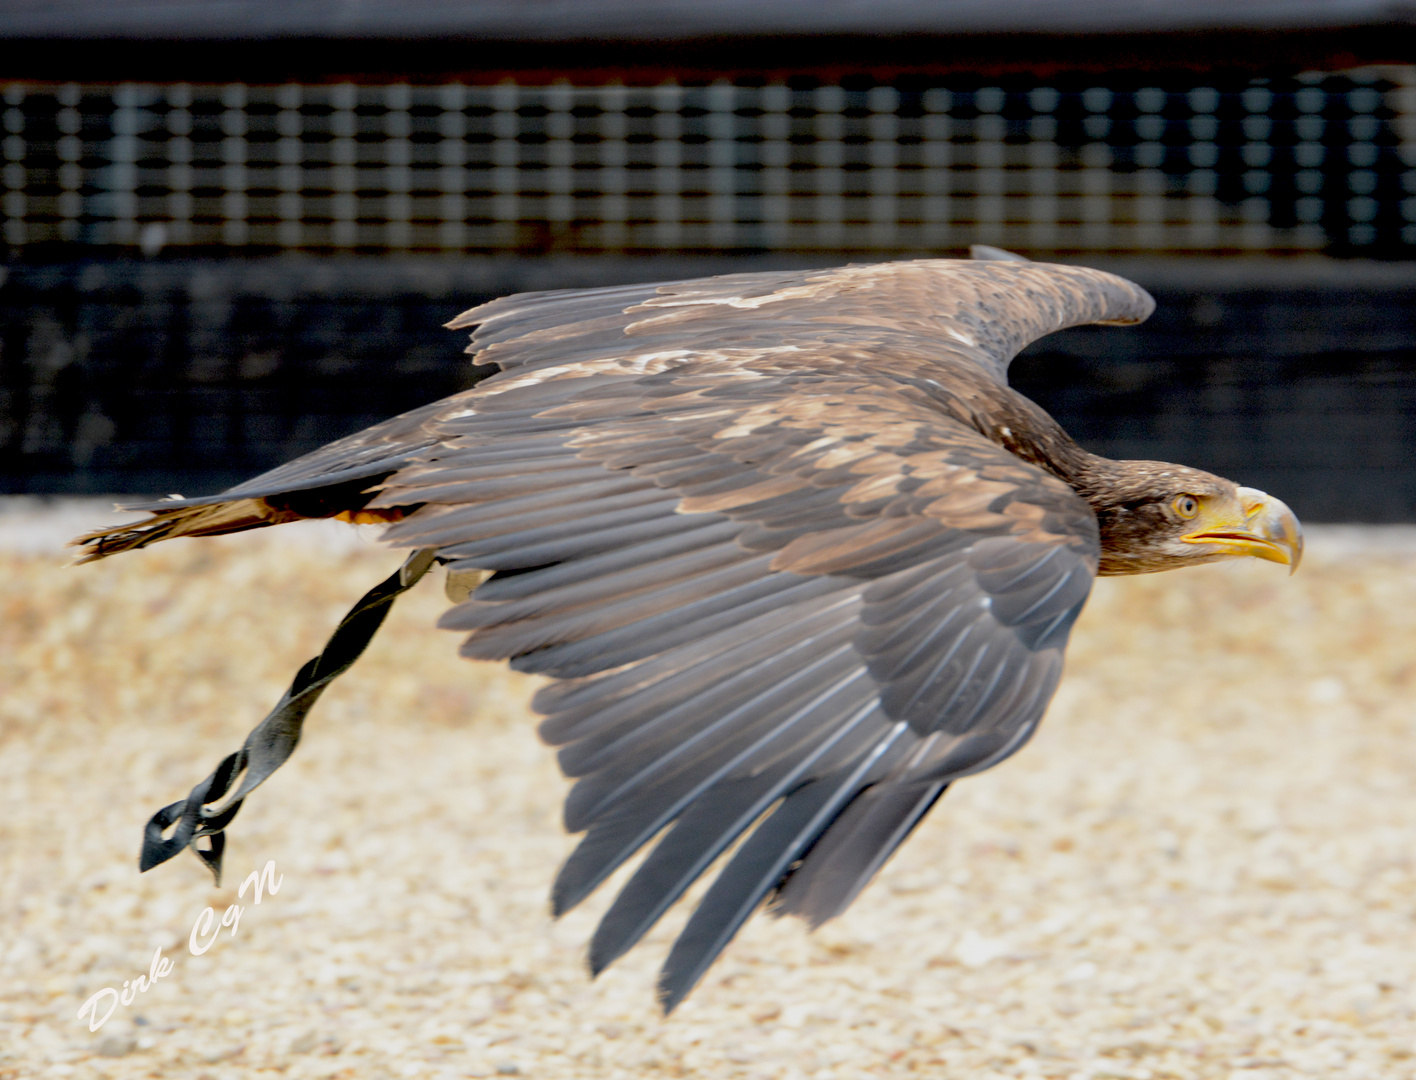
273 740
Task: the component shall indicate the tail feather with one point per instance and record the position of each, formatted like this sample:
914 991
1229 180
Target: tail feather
214 520
345 501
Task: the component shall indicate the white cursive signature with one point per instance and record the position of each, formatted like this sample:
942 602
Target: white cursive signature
264 880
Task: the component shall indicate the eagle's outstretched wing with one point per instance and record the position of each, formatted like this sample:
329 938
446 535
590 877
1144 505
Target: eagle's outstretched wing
804 597
786 587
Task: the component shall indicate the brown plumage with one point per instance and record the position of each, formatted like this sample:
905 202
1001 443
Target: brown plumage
796 555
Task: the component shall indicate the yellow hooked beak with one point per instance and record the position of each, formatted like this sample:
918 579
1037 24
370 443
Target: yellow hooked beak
1259 525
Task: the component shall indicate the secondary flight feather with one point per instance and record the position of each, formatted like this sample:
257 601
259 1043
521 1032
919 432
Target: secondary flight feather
794 554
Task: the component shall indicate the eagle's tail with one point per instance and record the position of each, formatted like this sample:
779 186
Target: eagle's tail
214 519
210 520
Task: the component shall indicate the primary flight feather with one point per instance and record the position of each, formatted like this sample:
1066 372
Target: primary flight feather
794 553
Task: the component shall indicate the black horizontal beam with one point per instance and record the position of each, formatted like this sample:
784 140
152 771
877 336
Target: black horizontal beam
657 20
828 58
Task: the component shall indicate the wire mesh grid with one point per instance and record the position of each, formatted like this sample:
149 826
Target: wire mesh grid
1320 162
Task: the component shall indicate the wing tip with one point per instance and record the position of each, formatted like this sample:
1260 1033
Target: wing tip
1124 302
674 986
987 253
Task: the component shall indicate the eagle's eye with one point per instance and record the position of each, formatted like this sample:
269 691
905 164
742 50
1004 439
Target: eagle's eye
1187 506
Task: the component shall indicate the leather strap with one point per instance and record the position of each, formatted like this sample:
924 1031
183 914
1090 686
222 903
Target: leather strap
273 740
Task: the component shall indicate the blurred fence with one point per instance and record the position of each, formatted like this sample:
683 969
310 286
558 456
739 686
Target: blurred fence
1324 162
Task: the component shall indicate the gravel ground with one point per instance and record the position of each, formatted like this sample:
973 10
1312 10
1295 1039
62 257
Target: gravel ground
1201 867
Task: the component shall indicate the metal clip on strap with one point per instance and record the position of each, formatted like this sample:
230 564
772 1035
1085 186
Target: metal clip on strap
273 741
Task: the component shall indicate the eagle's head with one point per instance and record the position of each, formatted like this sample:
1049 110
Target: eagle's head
1157 516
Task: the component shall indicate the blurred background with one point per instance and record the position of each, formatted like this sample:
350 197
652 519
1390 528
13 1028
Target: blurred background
233 230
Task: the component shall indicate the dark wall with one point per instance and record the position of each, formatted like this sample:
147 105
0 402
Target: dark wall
188 376
150 377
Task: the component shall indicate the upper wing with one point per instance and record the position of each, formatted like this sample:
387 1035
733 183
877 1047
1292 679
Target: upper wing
790 603
981 311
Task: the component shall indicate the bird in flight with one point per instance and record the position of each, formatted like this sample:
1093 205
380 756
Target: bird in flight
793 553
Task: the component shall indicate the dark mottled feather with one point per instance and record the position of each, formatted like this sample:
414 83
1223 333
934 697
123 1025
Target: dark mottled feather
763 860
855 847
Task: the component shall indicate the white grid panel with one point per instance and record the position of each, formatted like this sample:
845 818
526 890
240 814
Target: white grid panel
1315 163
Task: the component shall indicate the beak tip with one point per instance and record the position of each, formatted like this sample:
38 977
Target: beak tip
1270 521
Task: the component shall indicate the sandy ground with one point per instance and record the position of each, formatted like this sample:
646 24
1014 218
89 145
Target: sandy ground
1201 867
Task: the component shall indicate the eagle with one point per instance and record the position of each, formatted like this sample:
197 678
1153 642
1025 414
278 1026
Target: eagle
792 553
